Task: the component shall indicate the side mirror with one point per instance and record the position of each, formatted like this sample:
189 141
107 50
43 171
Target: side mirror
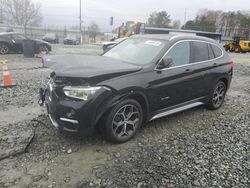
165 62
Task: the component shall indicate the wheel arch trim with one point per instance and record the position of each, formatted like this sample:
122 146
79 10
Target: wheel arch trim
139 96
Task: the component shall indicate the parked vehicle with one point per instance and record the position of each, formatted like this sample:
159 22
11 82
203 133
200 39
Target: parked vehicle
141 79
51 38
108 45
72 39
237 45
129 28
13 42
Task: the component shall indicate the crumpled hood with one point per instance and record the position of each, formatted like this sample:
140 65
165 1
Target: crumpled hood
99 68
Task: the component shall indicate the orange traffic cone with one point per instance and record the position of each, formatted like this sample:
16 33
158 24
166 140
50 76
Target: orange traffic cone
7 80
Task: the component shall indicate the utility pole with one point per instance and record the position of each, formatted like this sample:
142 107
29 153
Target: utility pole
80 17
185 18
1 13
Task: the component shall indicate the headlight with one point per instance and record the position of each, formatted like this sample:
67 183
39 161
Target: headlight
83 93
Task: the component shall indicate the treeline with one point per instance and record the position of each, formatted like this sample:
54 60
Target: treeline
228 23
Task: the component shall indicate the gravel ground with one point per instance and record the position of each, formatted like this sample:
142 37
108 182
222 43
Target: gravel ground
195 148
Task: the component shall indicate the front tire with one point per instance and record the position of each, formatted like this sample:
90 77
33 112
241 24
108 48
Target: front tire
123 121
43 48
227 48
217 96
4 48
237 49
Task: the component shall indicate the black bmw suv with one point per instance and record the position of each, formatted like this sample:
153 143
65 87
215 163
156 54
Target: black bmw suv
141 79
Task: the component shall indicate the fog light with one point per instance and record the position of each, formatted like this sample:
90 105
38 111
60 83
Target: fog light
71 113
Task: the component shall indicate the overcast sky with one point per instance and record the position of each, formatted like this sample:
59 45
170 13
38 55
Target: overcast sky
66 12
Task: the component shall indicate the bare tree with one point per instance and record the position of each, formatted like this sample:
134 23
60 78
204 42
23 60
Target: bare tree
232 23
93 30
22 12
176 24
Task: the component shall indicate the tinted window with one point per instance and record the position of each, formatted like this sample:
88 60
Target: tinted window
217 51
199 52
210 52
180 53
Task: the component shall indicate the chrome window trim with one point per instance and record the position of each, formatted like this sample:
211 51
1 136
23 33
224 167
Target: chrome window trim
222 54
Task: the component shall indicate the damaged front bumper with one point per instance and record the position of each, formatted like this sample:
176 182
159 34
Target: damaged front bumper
74 115
59 122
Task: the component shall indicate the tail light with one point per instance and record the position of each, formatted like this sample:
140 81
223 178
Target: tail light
230 62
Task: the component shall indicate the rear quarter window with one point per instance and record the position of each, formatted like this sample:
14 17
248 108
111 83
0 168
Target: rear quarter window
210 52
217 51
199 52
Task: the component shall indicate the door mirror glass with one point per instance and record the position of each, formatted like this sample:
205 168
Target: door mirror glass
165 62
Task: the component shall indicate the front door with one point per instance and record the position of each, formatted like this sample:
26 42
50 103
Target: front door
172 85
17 42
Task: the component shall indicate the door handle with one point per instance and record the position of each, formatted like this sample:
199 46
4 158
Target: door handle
187 70
215 64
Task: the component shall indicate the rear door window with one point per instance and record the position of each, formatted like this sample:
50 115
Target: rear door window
199 52
180 53
217 51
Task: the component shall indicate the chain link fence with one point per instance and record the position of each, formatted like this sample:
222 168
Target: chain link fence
39 32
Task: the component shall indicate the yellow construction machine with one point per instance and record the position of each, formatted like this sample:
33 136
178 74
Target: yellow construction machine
237 45
128 28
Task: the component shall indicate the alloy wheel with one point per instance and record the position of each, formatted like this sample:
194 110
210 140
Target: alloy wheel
43 48
4 49
218 95
126 121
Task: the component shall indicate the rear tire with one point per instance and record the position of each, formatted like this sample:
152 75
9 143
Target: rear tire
123 121
217 96
4 48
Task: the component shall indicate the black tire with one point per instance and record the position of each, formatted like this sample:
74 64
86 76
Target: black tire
226 48
237 49
43 48
4 48
217 96
123 121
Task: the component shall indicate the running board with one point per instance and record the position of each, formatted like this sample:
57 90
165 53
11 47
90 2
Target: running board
175 110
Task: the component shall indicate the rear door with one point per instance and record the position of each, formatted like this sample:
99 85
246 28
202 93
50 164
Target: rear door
201 55
217 66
